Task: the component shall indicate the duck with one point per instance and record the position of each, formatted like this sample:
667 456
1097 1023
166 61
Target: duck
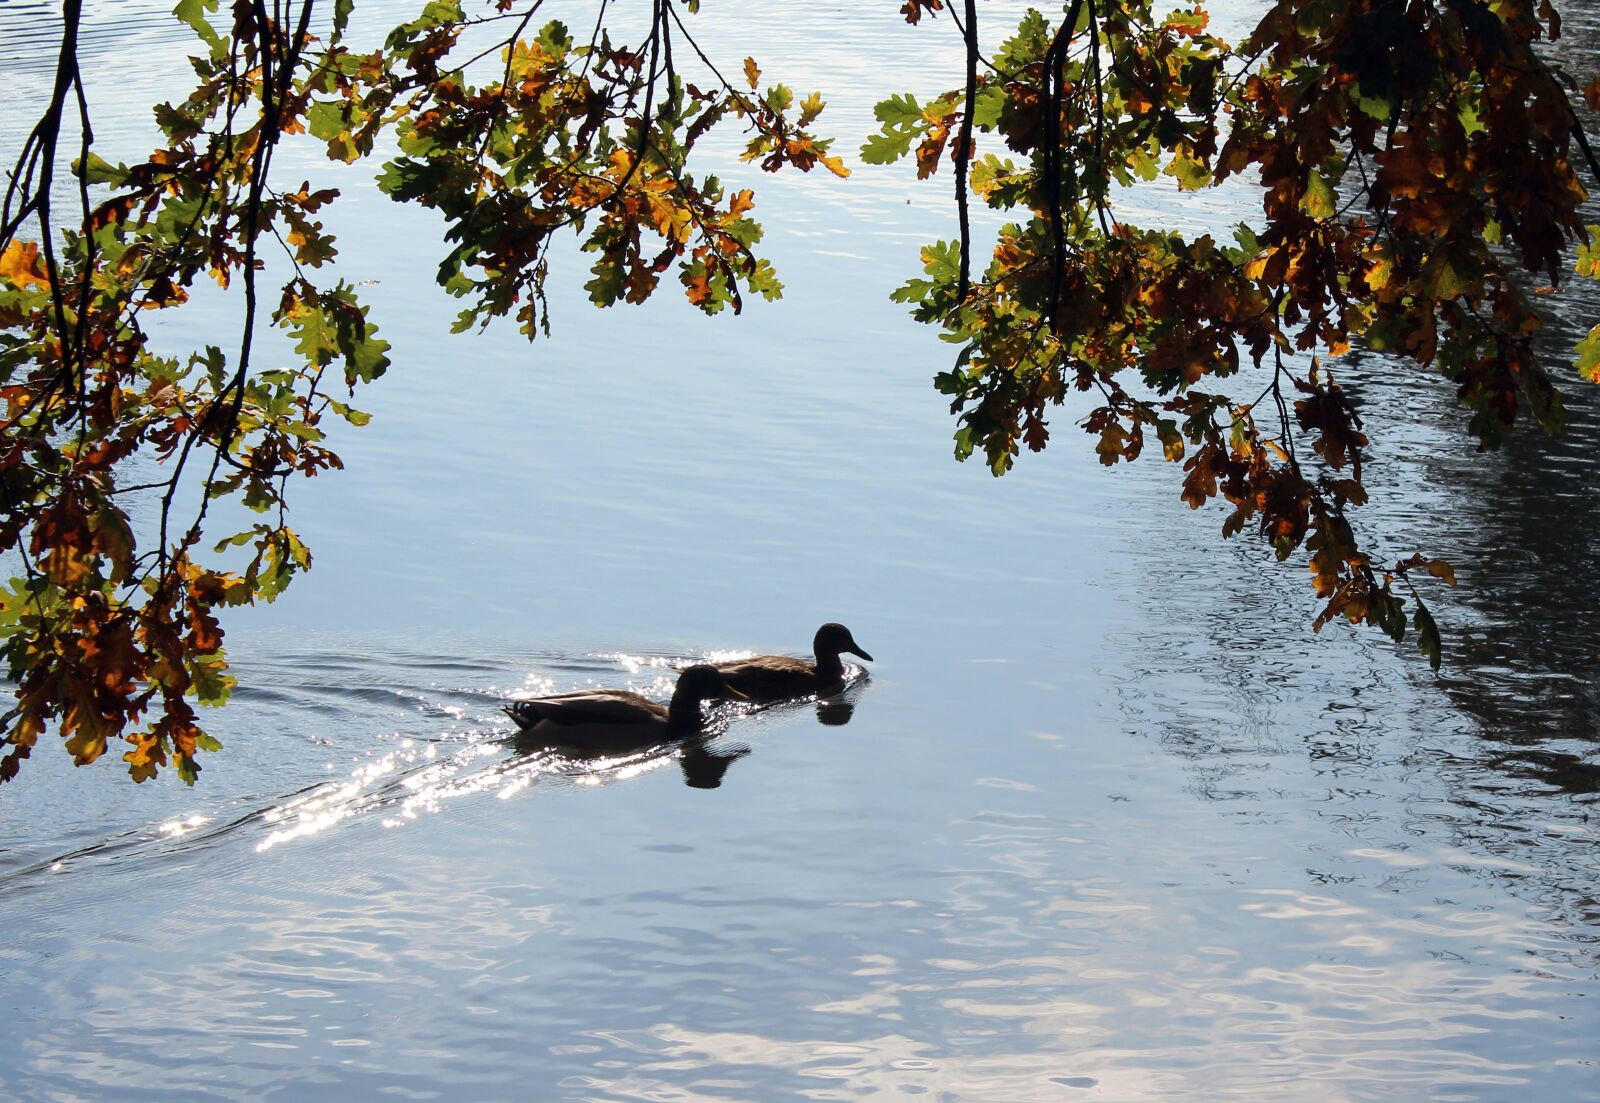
767 678
619 719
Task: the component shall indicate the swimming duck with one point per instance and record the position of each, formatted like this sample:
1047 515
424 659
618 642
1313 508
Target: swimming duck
767 678
617 719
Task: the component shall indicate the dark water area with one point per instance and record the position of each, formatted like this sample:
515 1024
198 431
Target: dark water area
1104 819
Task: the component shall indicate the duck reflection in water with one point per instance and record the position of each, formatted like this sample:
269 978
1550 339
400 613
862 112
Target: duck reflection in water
703 767
836 711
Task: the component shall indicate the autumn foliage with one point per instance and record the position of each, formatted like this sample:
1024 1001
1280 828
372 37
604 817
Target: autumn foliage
113 457
1417 169
1417 165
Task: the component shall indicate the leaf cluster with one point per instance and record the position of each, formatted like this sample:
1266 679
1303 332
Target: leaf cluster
112 456
1416 171
593 138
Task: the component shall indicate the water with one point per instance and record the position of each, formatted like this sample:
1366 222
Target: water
1105 820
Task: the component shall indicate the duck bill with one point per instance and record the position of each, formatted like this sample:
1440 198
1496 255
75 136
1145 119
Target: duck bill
858 653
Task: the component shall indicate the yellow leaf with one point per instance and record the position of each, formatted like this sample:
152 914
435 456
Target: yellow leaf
810 108
86 742
752 72
64 566
20 264
1380 267
1113 438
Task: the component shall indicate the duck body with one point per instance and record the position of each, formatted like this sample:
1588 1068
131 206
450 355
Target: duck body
618 719
769 678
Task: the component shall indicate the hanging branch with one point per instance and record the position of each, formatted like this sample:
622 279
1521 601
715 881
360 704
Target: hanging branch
969 33
1051 77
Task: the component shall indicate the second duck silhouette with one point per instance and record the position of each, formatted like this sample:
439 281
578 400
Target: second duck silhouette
767 678
619 719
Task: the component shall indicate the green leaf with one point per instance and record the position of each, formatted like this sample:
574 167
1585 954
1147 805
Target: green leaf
327 119
209 680
1588 263
438 13
365 354
899 110
987 106
237 539
175 123
942 260
912 291
193 13
1446 282
608 284
313 330
301 431
1588 361
404 179
258 495
299 554
1377 107
1144 166
1389 614
1320 200
1427 635
887 147
779 97
764 281
350 413
988 170
95 169
555 39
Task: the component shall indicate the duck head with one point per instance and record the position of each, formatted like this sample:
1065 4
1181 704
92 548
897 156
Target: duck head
835 639
695 685
702 683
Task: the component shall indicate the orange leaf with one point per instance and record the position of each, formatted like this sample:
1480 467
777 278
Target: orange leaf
21 265
698 288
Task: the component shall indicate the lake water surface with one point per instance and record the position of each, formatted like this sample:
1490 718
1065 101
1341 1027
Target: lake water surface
1105 821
